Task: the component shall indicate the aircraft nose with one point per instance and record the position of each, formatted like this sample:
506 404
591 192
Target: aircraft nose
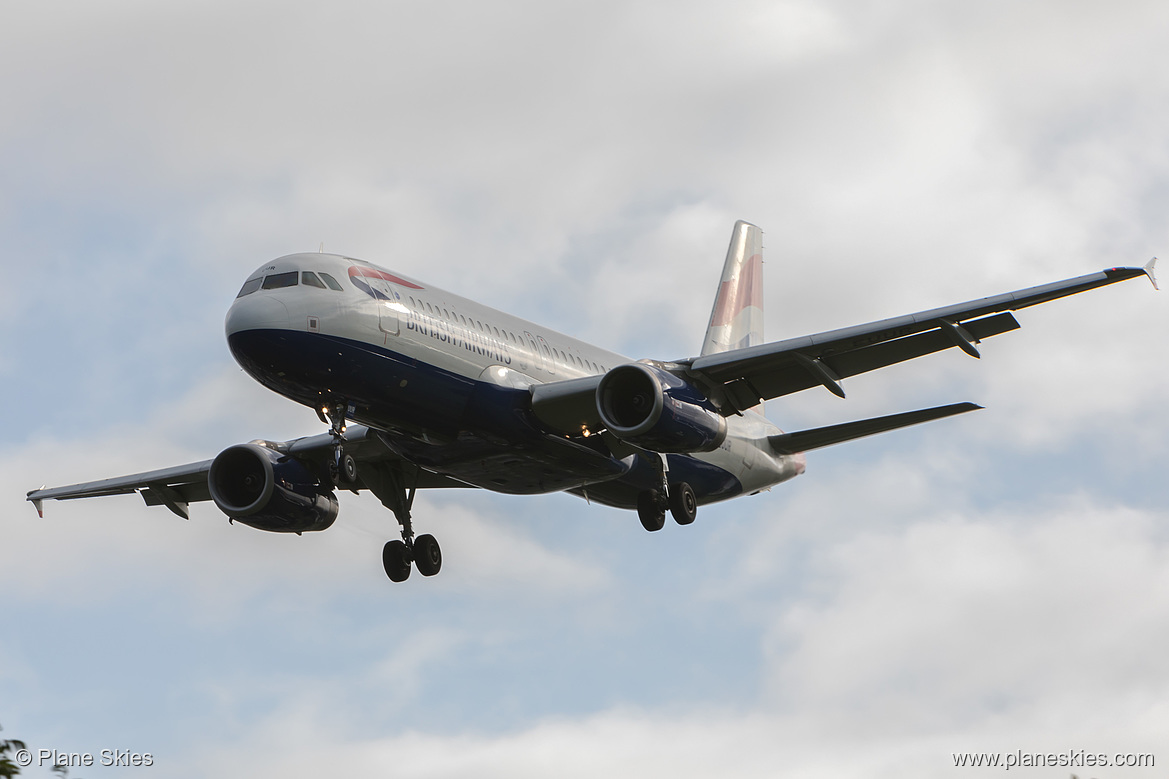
256 312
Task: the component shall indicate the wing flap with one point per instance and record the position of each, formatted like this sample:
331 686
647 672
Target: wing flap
807 440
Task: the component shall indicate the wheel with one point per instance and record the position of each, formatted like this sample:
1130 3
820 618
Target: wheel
396 560
650 511
683 504
427 555
344 470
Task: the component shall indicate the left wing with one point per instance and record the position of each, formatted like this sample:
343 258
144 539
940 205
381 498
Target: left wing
181 485
740 379
746 377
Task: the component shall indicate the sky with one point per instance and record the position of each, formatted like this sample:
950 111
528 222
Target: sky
997 582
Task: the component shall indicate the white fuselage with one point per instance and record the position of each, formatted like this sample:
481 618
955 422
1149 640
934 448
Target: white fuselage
455 339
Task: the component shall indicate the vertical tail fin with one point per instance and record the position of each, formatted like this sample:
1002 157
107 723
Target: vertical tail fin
737 318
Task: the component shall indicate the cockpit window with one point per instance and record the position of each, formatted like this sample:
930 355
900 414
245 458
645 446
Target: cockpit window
332 282
310 278
250 286
280 280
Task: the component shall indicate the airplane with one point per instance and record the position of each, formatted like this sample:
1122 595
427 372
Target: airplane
444 392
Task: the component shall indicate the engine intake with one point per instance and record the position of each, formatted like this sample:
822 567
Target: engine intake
270 491
656 410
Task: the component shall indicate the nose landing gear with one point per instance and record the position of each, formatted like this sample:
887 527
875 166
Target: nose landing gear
342 468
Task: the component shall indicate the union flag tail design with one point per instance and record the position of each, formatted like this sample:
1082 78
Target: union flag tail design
737 318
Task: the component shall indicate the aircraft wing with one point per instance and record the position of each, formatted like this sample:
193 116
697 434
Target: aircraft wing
740 379
181 485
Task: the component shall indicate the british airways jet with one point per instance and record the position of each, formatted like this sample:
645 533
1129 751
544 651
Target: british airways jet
445 392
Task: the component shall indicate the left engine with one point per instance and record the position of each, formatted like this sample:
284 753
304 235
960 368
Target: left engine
270 491
652 408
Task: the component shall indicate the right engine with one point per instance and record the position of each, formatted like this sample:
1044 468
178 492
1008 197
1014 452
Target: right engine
270 491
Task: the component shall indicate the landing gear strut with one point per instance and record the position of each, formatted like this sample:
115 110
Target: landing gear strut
342 468
677 496
389 482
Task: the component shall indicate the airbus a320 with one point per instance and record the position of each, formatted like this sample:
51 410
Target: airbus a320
422 389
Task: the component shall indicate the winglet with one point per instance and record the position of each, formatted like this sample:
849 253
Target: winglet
37 503
1149 272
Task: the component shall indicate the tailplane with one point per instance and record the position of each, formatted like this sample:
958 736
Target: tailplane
737 318
806 440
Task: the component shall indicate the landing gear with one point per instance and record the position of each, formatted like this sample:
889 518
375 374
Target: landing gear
677 496
396 560
389 482
342 468
683 504
427 555
651 510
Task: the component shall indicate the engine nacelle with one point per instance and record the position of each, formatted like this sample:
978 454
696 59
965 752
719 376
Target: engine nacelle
656 410
263 488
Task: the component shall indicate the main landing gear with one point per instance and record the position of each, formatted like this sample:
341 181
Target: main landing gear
677 497
397 556
389 482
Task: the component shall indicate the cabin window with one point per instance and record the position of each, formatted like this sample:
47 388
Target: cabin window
331 282
281 280
308 278
250 286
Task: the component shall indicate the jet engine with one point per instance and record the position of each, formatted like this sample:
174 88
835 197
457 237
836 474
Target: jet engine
270 491
654 409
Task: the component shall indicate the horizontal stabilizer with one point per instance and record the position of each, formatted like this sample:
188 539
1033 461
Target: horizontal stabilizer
806 440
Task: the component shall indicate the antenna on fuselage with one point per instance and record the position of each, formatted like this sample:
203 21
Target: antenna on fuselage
322 249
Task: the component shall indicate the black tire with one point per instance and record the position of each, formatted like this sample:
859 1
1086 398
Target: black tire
346 470
427 555
650 510
683 504
396 560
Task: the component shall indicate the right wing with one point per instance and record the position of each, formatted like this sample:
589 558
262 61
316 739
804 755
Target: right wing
181 485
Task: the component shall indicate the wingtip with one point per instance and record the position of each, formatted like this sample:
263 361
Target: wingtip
38 503
1150 269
